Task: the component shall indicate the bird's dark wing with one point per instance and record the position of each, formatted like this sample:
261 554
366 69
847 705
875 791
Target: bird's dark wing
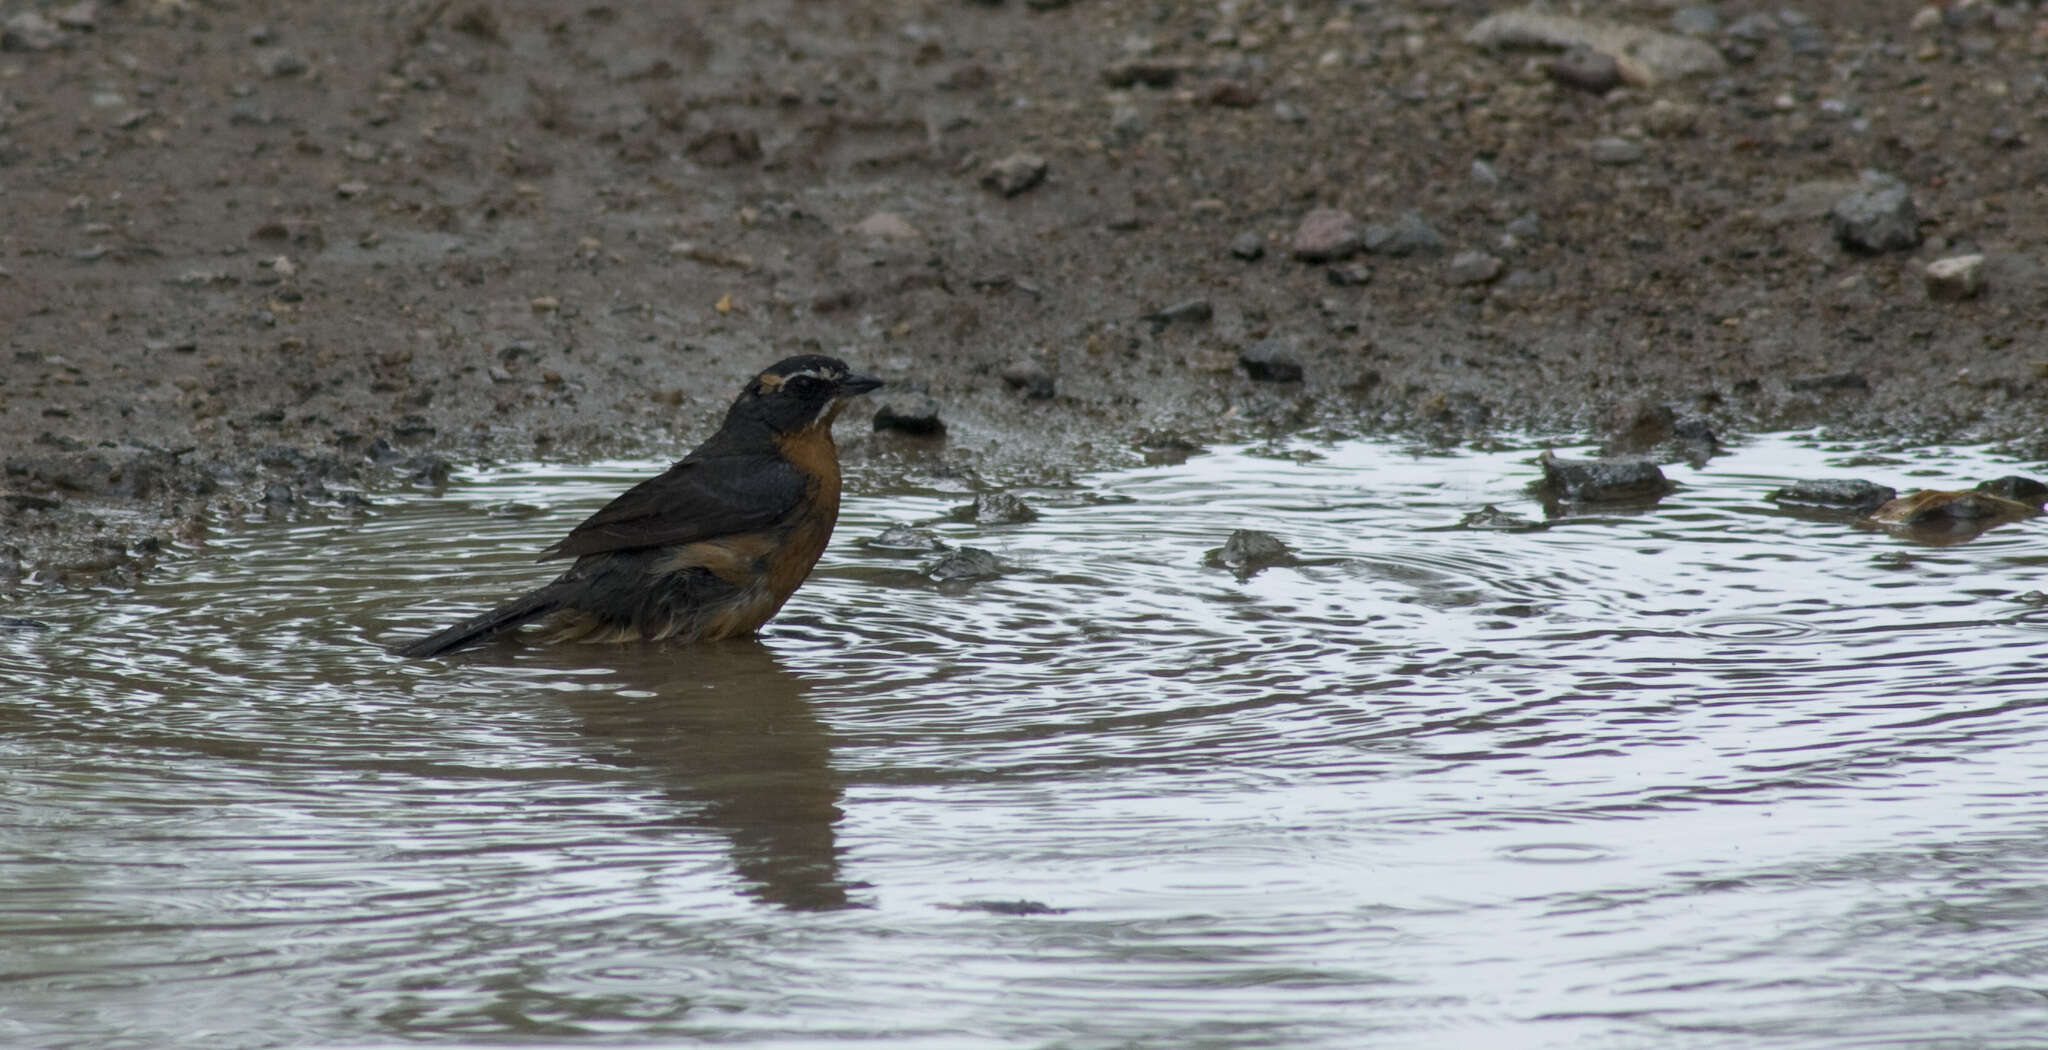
697 499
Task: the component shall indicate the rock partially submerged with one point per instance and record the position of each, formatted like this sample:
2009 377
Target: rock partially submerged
903 539
1841 494
965 566
1493 519
1249 551
1618 480
996 508
2017 488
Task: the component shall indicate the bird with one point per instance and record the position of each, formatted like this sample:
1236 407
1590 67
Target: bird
710 548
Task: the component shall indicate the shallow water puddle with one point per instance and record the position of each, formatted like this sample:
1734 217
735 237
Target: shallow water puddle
1701 775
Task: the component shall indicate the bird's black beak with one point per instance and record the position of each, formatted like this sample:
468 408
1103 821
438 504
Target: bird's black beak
855 383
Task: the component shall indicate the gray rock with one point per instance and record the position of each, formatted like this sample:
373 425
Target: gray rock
1327 235
1408 234
1015 173
1472 268
1615 151
1602 480
1271 361
1248 551
1525 227
909 412
1878 217
965 566
1834 494
1955 278
1248 246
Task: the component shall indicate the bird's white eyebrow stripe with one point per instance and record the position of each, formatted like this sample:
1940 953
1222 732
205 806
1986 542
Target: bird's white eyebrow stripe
771 381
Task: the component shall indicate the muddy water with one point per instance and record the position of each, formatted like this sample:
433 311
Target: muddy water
1703 775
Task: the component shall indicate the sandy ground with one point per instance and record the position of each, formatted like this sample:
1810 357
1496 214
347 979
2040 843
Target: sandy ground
270 259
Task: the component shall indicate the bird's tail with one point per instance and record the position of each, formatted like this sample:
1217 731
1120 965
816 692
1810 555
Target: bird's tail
484 626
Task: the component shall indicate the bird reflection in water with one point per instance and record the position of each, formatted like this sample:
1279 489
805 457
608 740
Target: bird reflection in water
730 735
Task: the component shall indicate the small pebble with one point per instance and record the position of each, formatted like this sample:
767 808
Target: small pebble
1668 119
1248 246
1407 234
910 413
1349 275
1469 268
1877 217
1327 235
1614 151
279 62
886 226
1955 278
1193 311
1015 173
1583 68
1271 361
1029 377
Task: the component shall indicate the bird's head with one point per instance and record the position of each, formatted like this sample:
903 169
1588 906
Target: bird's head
801 391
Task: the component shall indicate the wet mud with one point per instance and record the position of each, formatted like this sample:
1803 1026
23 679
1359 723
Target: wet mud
269 260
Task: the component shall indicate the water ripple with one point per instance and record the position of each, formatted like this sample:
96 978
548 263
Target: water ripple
1702 774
